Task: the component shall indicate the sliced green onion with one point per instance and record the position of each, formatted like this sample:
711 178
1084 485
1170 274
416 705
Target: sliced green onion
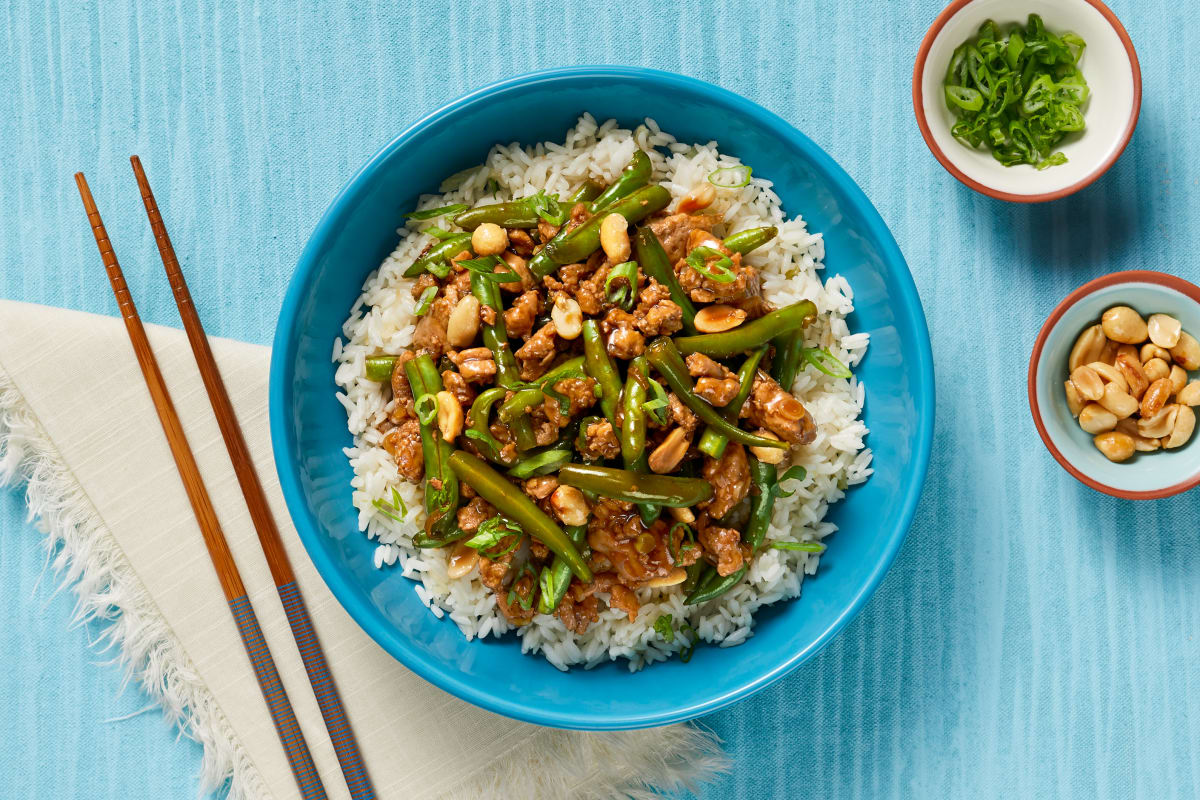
430 213
964 97
730 177
425 301
720 270
664 628
440 269
802 547
438 233
658 405
826 362
491 186
483 265
793 473
525 602
426 408
397 506
564 402
483 436
547 207
685 655
686 542
620 283
492 532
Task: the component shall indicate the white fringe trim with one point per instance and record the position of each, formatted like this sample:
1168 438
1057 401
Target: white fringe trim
639 765
110 595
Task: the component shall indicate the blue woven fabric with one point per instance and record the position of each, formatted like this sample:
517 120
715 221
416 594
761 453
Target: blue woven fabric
1033 639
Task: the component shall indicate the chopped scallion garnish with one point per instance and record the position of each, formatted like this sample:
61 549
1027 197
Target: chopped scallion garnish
826 362
425 301
426 408
720 269
492 532
664 628
802 547
730 177
438 233
685 655
621 284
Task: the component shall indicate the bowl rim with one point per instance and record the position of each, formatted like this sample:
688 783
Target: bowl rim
1091 287
285 345
918 97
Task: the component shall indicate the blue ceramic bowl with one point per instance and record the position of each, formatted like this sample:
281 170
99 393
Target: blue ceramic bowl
308 426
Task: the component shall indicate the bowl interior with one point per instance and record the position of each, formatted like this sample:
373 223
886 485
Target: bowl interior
1145 472
309 426
1106 66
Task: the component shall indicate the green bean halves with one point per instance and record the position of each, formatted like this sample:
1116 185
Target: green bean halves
441 498
511 502
600 367
588 191
713 443
750 239
713 585
509 214
752 334
443 250
634 176
495 337
622 484
665 357
633 429
765 479
582 241
789 355
533 394
556 576
653 260
479 431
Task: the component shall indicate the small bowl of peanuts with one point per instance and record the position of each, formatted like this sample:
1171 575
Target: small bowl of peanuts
1114 380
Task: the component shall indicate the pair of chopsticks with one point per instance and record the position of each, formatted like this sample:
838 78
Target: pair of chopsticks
282 715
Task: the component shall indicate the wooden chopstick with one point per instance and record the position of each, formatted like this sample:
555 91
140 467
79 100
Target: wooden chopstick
340 732
280 707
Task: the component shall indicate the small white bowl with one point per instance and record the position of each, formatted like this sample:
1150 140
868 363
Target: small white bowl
1146 476
1109 65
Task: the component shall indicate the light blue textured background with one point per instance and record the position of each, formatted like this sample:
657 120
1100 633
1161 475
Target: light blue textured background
1033 639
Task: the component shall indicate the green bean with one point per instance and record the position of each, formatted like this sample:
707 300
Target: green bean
635 175
509 214
765 478
789 355
512 503
556 577
653 260
428 541
752 334
622 484
633 429
601 368
495 337
713 443
478 430
534 393
750 239
379 368
663 354
541 463
582 241
713 587
443 250
696 572
587 192
441 485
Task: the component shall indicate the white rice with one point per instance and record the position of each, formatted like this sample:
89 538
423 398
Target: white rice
381 320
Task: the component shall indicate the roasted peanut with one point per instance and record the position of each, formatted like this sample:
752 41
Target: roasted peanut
774 455
489 239
1155 369
463 323
667 455
1108 353
1115 446
700 197
570 506
681 514
462 560
1131 368
1163 330
1161 424
1179 378
1095 418
1187 351
1088 383
567 316
1123 324
1156 397
1189 395
675 576
614 238
1087 347
1181 431
449 416
1074 402
1140 443
1110 374
1129 351
717 318
1151 350
1119 402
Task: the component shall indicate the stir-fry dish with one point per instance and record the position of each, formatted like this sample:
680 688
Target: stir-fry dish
595 399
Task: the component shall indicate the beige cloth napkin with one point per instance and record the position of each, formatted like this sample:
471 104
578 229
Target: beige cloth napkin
77 423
